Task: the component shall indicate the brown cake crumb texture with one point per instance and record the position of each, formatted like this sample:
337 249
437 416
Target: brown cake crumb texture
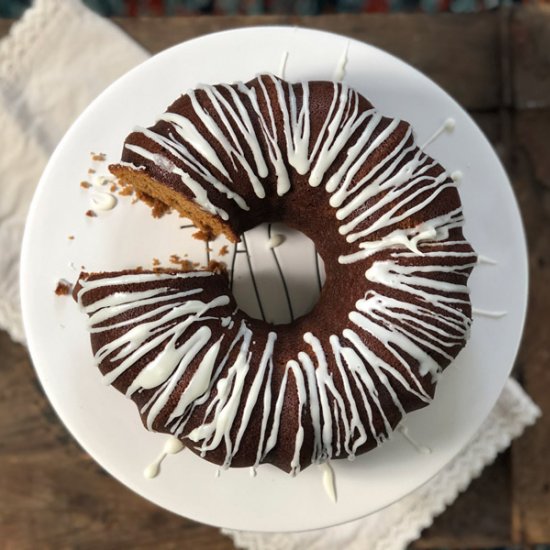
202 235
183 265
99 156
63 288
85 184
71 237
126 191
217 267
147 188
224 250
91 214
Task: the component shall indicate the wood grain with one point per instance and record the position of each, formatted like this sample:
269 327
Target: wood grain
530 37
48 482
531 453
431 44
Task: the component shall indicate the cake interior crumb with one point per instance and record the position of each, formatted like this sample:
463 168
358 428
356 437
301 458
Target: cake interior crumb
63 288
216 267
224 250
183 265
203 235
91 214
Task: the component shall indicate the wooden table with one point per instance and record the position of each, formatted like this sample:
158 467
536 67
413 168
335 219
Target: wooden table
497 65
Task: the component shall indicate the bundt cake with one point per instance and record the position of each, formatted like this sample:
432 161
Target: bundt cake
393 313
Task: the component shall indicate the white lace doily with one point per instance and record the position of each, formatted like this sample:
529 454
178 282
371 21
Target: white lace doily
55 60
401 523
53 63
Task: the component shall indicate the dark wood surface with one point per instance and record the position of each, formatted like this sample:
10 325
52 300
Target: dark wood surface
53 495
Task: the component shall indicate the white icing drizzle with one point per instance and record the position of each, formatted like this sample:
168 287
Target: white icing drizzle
488 313
457 176
422 449
485 260
329 481
101 200
448 126
340 72
282 66
276 240
172 446
100 180
415 309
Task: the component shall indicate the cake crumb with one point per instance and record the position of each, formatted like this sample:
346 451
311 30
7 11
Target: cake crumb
202 235
113 188
85 184
99 156
91 171
156 262
71 237
126 191
91 214
224 250
159 208
216 267
63 288
184 265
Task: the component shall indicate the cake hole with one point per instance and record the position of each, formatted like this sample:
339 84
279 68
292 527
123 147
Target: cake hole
277 273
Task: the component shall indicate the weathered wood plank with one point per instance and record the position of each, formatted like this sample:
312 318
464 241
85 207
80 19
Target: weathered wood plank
530 46
460 52
531 453
480 517
49 483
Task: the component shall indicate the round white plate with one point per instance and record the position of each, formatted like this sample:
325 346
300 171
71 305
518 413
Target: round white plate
106 424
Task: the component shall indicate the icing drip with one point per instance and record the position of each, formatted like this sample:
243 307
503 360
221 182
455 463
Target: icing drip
282 67
102 201
329 481
172 446
100 180
457 176
422 449
448 126
487 313
340 72
275 240
485 260
253 472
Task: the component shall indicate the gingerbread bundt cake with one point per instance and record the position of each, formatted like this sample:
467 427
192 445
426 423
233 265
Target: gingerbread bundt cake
393 313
